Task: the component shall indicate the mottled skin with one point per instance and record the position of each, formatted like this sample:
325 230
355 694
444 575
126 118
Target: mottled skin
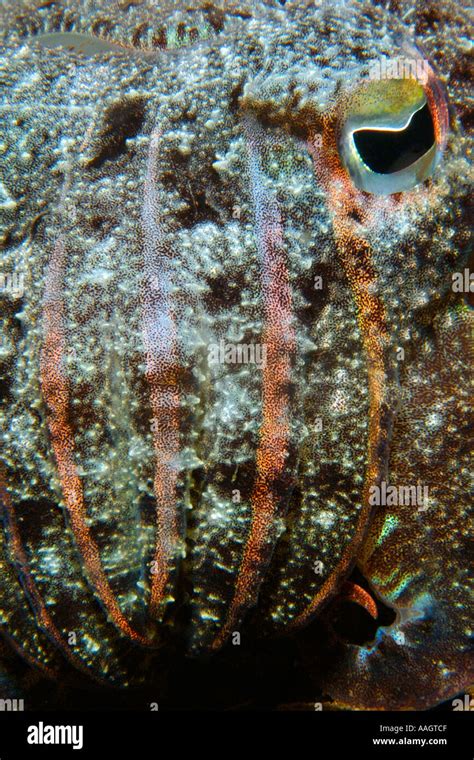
135 161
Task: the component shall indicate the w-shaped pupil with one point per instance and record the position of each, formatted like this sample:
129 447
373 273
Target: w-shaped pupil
385 151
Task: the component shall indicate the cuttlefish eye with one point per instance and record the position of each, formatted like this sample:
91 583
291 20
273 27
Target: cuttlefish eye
392 136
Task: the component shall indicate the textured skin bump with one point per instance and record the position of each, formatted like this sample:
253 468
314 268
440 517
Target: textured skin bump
161 193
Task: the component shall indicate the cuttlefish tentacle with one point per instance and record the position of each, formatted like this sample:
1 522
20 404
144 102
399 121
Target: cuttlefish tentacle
349 212
56 394
44 660
279 338
162 373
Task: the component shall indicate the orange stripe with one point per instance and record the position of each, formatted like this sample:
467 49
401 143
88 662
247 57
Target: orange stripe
166 444
279 340
162 373
438 108
55 390
20 558
344 201
352 592
43 618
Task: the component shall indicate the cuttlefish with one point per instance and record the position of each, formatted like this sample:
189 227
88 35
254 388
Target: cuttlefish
236 344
